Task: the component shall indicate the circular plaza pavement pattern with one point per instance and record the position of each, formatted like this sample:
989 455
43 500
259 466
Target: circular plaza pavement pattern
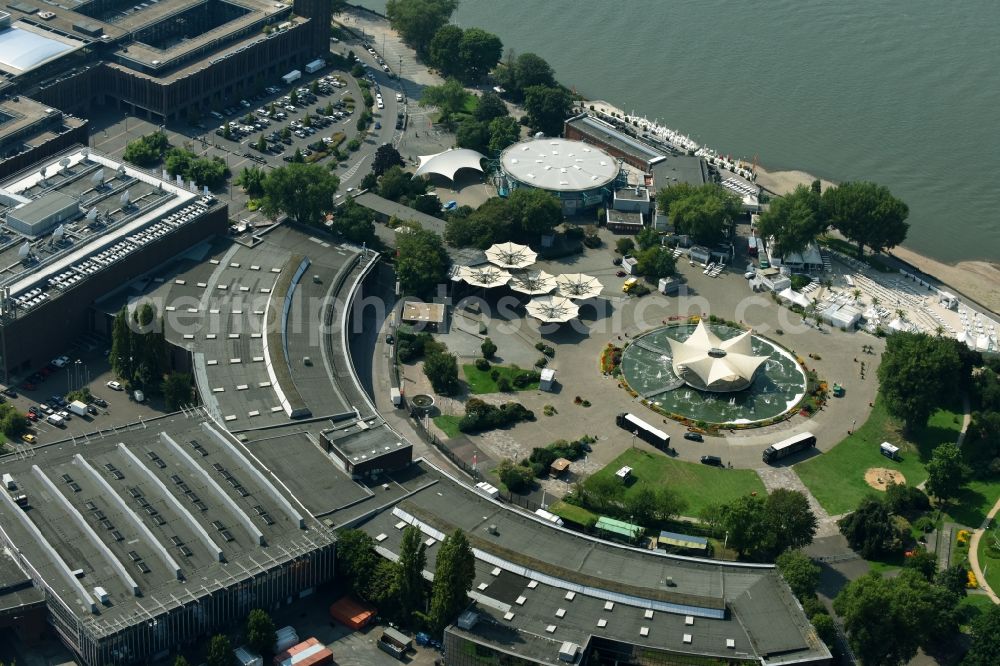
646 366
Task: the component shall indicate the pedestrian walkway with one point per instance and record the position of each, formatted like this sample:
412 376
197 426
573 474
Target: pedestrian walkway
974 553
785 477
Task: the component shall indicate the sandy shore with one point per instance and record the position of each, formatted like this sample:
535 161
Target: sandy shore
978 280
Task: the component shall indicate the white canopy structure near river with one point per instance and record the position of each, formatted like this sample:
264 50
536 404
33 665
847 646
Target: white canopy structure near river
450 162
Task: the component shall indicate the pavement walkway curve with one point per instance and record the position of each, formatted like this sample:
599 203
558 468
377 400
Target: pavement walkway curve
974 553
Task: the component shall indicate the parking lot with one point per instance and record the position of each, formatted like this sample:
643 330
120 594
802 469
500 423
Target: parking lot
92 372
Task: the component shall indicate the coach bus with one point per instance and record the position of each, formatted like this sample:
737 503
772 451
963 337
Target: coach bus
643 430
788 446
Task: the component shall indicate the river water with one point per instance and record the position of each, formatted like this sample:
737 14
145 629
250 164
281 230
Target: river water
902 92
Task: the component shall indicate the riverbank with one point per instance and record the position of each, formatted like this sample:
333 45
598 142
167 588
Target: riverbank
978 280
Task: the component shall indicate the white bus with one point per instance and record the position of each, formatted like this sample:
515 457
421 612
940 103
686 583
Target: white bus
788 446
643 430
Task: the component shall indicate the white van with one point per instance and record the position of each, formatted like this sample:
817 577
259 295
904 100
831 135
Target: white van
56 420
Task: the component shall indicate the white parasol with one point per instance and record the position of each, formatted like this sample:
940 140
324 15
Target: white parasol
552 309
533 283
483 276
511 255
578 285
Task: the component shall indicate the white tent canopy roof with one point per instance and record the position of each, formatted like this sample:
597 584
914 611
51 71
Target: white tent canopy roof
450 162
709 363
533 283
483 276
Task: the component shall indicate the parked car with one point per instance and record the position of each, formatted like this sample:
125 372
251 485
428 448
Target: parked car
693 437
10 393
31 416
115 385
711 460
139 396
100 402
28 438
92 410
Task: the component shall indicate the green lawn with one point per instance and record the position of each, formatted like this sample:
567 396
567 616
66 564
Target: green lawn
973 503
971 607
574 513
837 478
480 381
989 557
448 424
699 484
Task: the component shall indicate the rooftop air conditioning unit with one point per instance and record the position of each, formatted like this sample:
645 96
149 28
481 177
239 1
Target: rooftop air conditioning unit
568 651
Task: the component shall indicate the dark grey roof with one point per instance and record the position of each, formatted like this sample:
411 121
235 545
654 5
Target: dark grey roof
390 209
43 207
608 135
770 614
685 595
135 485
679 169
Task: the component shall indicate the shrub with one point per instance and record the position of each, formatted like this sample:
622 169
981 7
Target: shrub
517 478
624 245
523 379
494 374
482 364
812 606
924 524
481 416
541 362
488 348
503 385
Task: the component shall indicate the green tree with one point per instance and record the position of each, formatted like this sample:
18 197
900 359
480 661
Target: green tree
220 651
443 51
917 370
982 446
13 423
429 204
547 108
398 185
887 620
800 572
304 192
251 179
953 579
417 21
355 223
177 390
794 221
441 370
294 97
517 478
527 70
260 631
262 144
492 222
602 492
666 196
707 214
535 212
357 560
453 576
121 354
181 660
790 521
412 560
624 246
946 472
744 521
504 132
669 503
147 150
488 348
825 627
869 530
450 97
867 214
479 52
655 263
647 238
984 649
490 107
421 263
923 562
386 157
473 134
641 506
